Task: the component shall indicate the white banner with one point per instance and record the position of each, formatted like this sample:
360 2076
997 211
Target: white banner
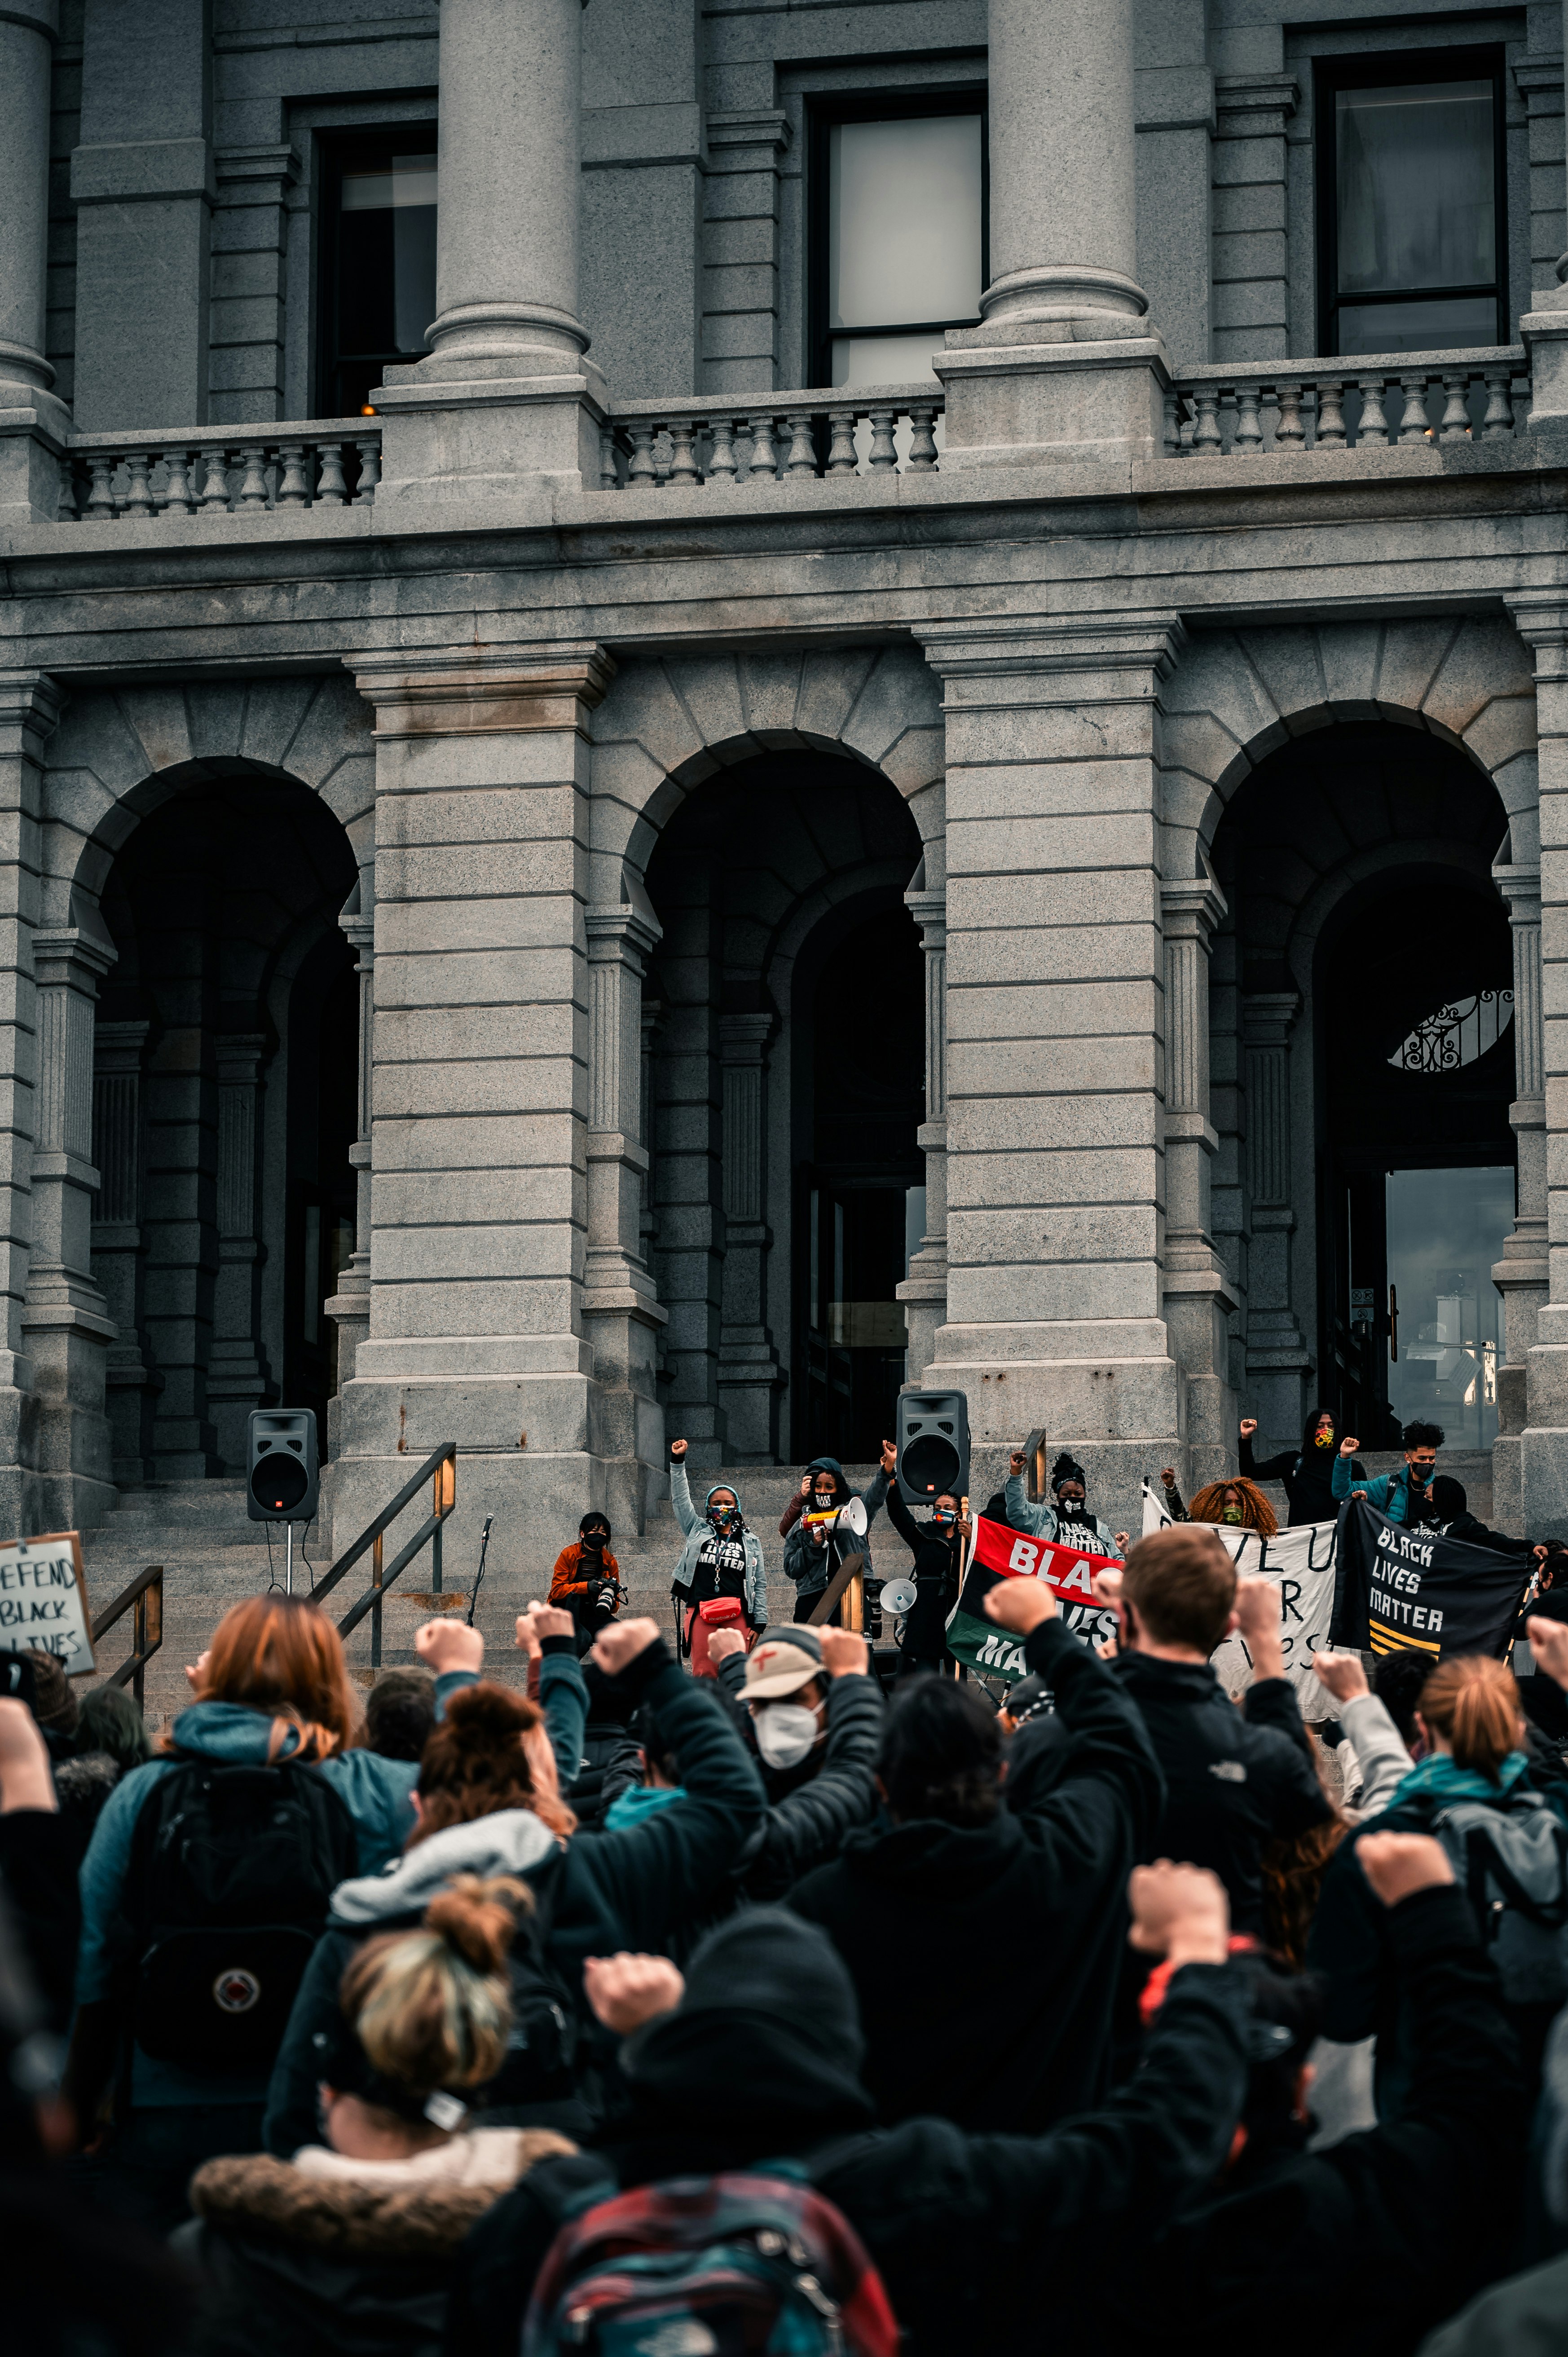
1300 1564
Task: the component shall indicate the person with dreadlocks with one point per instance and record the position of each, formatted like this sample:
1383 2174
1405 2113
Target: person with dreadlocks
1237 1503
721 1565
1068 1522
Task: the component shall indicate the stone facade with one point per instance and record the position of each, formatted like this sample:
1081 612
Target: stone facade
436 842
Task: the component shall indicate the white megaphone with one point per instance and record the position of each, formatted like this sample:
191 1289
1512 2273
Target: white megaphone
899 1598
852 1520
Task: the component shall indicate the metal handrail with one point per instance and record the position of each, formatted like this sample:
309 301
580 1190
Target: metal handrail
441 1466
143 1599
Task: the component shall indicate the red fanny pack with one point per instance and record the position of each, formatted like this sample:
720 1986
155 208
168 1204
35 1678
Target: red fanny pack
720 1608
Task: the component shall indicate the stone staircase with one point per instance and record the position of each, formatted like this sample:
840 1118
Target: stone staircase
213 1557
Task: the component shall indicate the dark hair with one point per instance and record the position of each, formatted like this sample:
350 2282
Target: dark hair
1422 1436
940 1754
594 1520
112 1721
53 1703
1068 1469
1397 1681
1448 1496
474 1764
1287 2020
841 1490
656 1745
1182 1585
399 1713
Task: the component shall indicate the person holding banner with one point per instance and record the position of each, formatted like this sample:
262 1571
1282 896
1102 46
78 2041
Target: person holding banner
1068 1522
1401 1494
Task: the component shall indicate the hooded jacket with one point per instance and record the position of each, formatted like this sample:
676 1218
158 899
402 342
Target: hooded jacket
607 1891
1390 1493
695 1528
328 2257
1410 2217
974 2236
1234 1779
936 1921
811 1567
1043 1521
375 1792
813 1808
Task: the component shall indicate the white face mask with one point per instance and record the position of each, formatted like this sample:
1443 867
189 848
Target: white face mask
785 1733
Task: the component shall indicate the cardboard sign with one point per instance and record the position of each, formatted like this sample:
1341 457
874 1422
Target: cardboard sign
43 1601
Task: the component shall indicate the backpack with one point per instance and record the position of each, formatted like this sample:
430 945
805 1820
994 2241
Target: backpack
542 2046
231 1872
1513 1864
749 2261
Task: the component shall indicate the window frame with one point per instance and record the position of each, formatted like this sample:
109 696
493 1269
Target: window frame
877 106
1478 62
336 151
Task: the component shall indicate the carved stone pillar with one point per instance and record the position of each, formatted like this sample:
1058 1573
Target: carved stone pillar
1523 1274
349 1307
34 421
65 1318
236 1373
749 1375
622 1314
1277 1358
130 1383
924 1291
1198 1296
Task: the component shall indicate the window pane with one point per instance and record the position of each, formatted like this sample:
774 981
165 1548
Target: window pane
886 359
1452 324
1415 186
1445 1229
386 254
904 211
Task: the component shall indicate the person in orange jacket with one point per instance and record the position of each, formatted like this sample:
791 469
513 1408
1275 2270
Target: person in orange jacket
587 1578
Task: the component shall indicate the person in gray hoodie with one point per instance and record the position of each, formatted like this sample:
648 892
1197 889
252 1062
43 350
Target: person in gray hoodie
813 1551
719 1558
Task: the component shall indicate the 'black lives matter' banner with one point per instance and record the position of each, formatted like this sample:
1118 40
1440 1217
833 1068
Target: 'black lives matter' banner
1414 1591
1002 1552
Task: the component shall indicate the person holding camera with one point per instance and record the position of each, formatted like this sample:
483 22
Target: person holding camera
585 1581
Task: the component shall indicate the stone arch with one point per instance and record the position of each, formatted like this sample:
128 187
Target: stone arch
119 753
669 722
1238 695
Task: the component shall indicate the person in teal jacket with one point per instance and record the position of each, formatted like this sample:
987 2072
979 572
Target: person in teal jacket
1401 1495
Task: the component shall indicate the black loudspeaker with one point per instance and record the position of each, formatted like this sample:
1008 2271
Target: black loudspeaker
933 1444
285 1476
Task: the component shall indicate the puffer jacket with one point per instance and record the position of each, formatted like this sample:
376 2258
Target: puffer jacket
329 2257
811 1567
695 1528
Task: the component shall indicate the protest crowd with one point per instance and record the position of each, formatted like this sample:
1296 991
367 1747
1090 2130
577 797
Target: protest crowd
1134 1941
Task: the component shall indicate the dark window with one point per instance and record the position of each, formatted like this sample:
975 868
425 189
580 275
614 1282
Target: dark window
1411 230
378 263
899 233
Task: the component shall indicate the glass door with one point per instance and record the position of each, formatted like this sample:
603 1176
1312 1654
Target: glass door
1445 1228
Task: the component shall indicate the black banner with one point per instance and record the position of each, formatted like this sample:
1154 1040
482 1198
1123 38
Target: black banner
1411 1591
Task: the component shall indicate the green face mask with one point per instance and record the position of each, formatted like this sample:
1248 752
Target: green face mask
1231 1515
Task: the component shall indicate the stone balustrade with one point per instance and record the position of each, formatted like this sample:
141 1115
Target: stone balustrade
779 437
1390 398
220 470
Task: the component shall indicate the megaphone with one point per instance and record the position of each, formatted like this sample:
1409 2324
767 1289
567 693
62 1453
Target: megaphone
852 1519
899 1598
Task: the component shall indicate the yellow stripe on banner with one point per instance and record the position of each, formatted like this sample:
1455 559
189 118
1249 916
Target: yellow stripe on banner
1394 1641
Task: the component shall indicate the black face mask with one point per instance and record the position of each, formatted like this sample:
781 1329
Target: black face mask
595 1539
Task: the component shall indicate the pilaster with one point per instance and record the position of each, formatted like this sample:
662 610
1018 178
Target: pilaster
1277 1358
1198 1294
749 1374
349 1307
237 1378
740 245
924 1291
29 707
130 1385
1251 233
1523 1275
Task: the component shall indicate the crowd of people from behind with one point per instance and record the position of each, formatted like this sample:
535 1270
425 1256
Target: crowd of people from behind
769 1988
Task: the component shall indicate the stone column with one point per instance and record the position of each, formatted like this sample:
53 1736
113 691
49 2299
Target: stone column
621 1316
924 1291
1277 1358
1523 1275
1055 970
1063 365
248 329
33 423
748 1372
1252 234
30 707
507 392
236 1373
1198 1294
480 1095
1543 329
349 1307
65 1318
117 1052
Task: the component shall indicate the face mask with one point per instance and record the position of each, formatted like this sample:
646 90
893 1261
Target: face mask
594 1539
1071 1505
1231 1515
785 1733
1421 1474
944 1518
724 1519
822 1501
1326 1439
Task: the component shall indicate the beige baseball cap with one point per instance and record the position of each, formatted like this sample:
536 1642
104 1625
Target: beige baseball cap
776 1668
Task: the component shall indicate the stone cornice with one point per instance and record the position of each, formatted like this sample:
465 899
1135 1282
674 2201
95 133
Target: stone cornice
497 691
995 646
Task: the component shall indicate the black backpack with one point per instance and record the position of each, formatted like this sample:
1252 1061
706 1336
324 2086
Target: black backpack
231 1872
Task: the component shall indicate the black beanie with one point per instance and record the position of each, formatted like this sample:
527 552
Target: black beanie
1068 1469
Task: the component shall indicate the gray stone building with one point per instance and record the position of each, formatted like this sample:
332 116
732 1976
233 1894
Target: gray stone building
708 704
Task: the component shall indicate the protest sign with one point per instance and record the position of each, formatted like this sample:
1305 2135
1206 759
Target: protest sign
1001 1552
1412 1590
1302 1563
43 1601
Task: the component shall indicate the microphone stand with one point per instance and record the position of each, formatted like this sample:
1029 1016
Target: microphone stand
484 1550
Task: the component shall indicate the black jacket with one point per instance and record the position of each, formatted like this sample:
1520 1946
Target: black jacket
604 1891
1404 2222
976 2236
936 1571
1307 1484
810 1816
937 1923
1234 1779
